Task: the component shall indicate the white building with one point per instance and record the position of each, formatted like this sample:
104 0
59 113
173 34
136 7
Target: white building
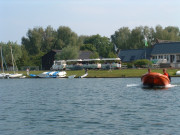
167 52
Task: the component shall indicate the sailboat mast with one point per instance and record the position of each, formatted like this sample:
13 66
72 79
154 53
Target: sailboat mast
2 67
12 59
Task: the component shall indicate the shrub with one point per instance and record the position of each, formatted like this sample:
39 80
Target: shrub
129 65
142 63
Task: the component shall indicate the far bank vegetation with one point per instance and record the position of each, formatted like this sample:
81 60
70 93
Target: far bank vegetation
38 41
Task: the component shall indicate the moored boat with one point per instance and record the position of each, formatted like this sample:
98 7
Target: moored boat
51 74
15 75
178 73
4 75
71 76
154 79
86 74
61 74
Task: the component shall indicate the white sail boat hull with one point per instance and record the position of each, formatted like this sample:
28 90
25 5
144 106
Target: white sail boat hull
16 75
53 74
4 75
61 74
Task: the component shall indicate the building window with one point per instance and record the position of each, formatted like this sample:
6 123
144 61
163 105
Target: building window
177 58
160 57
172 58
165 56
154 57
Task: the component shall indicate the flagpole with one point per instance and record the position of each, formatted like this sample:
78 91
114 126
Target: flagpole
146 44
145 52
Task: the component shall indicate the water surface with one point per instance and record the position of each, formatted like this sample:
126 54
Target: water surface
87 106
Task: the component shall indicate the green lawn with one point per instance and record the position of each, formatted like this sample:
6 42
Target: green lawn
110 73
125 72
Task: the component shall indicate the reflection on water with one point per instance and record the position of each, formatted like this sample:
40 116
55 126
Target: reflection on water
87 106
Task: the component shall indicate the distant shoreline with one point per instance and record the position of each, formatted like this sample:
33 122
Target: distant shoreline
117 73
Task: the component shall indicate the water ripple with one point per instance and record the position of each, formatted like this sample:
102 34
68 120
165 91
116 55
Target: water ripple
87 106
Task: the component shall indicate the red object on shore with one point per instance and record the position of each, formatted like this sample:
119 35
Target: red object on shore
155 79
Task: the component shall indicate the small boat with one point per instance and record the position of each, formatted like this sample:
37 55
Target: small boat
33 75
15 75
52 74
4 75
84 75
155 80
61 74
22 77
178 73
71 76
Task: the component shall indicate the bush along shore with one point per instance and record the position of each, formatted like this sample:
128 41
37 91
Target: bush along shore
120 73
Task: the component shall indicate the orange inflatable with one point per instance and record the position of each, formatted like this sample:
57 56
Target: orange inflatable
155 79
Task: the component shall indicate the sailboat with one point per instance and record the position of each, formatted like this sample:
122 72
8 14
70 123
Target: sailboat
2 75
14 75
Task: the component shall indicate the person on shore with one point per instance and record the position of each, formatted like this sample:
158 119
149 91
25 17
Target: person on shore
86 71
27 70
149 70
166 74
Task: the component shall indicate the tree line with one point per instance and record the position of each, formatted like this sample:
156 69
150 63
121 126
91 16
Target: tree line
39 41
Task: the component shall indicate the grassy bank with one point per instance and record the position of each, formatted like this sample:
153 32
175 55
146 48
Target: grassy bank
110 73
123 72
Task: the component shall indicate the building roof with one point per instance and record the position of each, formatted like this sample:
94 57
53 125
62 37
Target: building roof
166 48
134 54
85 54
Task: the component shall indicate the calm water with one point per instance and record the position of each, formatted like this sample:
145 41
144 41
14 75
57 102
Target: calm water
87 106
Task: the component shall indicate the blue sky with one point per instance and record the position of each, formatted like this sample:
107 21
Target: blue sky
84 17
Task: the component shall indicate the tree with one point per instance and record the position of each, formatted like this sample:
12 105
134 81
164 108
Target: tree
69 52
89 47
16 50
40 41
112 55
94 55
34 40
25 59
149 33
49 39
125 38
168 33
121 38
65 37
137 38
159 32
102 44
172 33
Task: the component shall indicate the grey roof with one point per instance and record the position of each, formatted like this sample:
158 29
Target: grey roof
134 54
85 54
166 48
82 54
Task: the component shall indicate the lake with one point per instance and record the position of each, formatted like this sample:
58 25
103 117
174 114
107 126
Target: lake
113 106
